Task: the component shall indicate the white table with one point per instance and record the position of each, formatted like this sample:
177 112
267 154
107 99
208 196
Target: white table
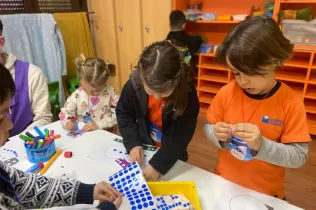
211 188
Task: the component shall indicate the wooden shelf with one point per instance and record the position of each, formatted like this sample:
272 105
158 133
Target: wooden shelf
312 77
203 108
207 54
218 21
215 66
310 106
311 120
206 98
311 92
301 63
296 1
209 87
214 78
291 76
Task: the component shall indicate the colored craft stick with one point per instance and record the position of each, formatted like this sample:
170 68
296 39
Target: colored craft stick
39 132
35 143
56 136
51 161
30 142
25 138
29 135
46 132
48 142
40 144
51 133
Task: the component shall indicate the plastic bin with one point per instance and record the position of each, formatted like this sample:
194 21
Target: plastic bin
300 32
187 189
41 154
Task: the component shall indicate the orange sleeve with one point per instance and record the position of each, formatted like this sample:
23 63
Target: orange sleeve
215 112
295 127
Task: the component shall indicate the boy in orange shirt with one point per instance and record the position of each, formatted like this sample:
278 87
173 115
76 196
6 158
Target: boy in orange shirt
257 110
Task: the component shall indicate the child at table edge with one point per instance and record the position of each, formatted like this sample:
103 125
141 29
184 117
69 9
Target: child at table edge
19 190
158 106
95 101
263 112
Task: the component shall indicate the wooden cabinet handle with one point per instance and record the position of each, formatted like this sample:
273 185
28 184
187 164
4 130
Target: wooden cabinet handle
147 28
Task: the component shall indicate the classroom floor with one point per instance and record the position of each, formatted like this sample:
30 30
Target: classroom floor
300 183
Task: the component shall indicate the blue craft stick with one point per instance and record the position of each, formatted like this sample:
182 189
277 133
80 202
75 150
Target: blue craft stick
30 135
76 125
42 135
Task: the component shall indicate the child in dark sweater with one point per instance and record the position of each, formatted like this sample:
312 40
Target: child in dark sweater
180 38
19 190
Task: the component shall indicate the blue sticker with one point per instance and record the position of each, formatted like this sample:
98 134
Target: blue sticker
137 172
121 174
143 199
136 196
134 207
128 177
133 175
142 195
126 171
137 201
118 182
119 187
130 169
151 203
128 192
132 202
111 179
112 184
115 176
140 206
147 193
150 198
126 188
144 186
133 190
145 205
130 199
123 179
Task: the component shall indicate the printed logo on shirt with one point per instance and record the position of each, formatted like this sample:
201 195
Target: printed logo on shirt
268 120
155 133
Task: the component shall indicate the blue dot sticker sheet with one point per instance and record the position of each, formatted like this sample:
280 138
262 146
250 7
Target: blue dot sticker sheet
132 184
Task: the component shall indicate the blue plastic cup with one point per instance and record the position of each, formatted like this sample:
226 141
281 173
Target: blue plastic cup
240 149
41 154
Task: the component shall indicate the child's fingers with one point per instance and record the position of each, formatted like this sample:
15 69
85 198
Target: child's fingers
243 135
104 198
222 130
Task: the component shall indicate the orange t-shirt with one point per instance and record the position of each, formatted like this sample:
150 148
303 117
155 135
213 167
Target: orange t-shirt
280 118
155 108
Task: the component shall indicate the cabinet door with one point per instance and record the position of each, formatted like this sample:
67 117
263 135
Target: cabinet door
103 27
155 20
128 19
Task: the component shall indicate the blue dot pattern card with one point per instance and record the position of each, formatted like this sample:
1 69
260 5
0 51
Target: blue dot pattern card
174 202
132 184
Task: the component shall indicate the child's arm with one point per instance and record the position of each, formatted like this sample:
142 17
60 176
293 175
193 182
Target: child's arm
209 133
109 119
126 118
70 108
42 192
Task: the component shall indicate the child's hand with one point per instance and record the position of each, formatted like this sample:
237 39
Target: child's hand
90 126
117 202
137 154
150 173
250 134
103 189
223 131
69 126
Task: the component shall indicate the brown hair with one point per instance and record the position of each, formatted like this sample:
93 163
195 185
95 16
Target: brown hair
94 70
254 44
162 68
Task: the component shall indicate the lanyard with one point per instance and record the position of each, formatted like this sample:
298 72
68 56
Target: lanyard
242 104
95 99
12 188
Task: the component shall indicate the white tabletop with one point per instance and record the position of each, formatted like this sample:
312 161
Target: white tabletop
214 192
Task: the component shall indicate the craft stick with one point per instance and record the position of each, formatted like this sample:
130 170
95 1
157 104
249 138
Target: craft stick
35 143
51 161
39 132
26 138
56 137
48 142
51 133
40 144
29 135
46 132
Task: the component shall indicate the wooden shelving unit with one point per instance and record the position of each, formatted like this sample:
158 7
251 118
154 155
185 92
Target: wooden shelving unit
299 72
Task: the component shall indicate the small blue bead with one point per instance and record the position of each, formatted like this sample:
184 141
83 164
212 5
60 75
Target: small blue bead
137 201
144 186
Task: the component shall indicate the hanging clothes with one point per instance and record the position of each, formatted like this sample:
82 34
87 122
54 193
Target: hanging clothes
36 39
77 37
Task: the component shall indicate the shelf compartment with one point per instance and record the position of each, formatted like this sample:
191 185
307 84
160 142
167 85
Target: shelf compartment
310 105
295 1
214 76
206 98
291 74
204 107
297 87
299 59
311 120
311 92
209 62
312 77
210 87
